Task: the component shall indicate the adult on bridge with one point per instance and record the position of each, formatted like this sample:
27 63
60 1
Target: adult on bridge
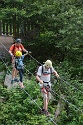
15 47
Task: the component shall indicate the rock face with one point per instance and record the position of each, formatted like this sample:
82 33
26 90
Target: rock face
7 41
7 82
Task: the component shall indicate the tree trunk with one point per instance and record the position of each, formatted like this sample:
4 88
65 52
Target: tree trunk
60 107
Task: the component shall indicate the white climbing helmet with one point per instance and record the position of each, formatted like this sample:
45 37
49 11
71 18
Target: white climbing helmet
48 63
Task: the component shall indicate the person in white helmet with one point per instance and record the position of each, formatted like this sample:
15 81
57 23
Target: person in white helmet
43 76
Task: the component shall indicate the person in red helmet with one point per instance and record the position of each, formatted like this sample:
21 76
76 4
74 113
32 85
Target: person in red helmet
15 47
44 76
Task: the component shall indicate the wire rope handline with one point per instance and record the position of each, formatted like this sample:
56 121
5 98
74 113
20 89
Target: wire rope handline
60 78
28 71
30 96
41 64
34 59
5 64
67 101
52 91
62 98
72 86
56 93
4 47
38 105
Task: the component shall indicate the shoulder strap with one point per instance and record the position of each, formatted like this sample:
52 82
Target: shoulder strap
21 46
42 68
13 48
50 69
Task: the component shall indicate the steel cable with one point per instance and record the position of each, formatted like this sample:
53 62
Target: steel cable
61 79
30 95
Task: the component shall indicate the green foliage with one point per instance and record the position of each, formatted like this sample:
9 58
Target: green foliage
60 38
2 67
2 72
20 107
31 65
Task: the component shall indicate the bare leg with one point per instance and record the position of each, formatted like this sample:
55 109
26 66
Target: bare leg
46 104
21 85
13 73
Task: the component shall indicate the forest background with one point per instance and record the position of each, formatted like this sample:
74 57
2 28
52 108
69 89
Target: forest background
53 30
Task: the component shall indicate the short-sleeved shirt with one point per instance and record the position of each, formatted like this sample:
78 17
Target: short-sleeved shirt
15 48
46 75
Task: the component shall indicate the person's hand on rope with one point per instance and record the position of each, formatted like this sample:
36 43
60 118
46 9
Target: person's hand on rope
58 77
41 82
11 55
29 52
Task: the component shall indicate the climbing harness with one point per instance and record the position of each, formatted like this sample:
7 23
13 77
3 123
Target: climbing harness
46 88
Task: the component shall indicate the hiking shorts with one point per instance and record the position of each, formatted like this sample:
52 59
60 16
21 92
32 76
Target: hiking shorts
45 94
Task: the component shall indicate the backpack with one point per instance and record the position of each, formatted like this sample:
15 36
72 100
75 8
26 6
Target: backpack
43 70
19 63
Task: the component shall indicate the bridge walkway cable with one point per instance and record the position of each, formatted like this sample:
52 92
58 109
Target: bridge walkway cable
54 92
51 119
41 64
64 99
60 78
60 97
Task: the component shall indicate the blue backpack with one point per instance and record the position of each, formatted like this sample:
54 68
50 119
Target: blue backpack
19 63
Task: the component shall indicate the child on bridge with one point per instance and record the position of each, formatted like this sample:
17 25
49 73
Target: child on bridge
19 65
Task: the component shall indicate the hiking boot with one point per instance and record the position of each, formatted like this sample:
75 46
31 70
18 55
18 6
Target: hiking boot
47 113
12 81
16 80
42 111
